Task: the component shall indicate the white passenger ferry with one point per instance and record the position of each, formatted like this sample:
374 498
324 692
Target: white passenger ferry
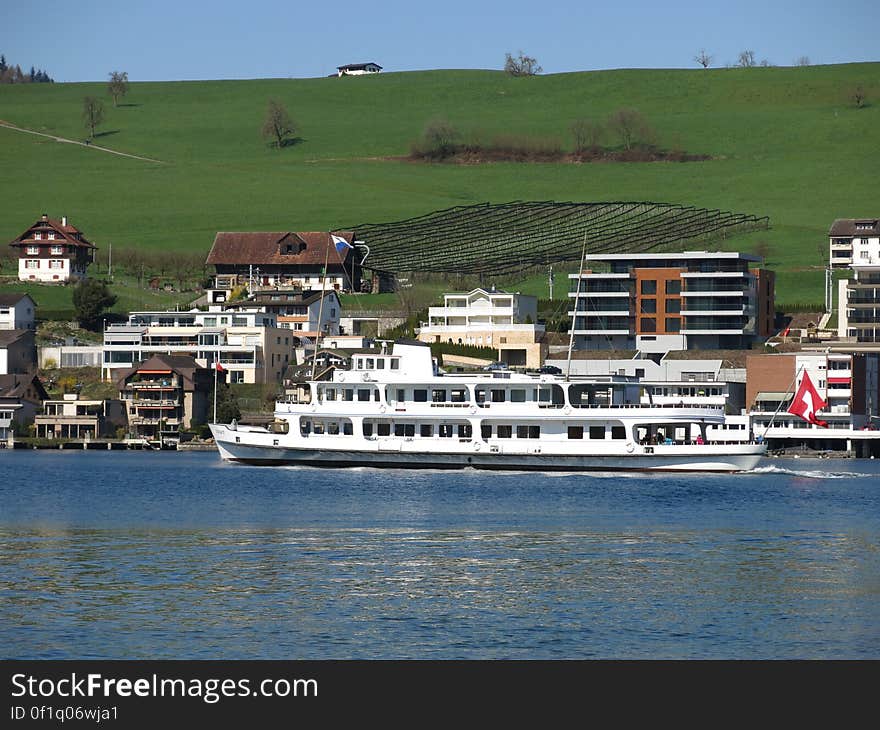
394 408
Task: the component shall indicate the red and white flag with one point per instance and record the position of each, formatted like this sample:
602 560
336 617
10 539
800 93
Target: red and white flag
807 401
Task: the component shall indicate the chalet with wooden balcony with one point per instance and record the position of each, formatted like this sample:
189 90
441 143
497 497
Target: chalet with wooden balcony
53 252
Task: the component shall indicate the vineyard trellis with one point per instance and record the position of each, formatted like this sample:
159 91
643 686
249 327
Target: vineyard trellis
505 238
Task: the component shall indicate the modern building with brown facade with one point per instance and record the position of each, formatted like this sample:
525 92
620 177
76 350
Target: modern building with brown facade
672 301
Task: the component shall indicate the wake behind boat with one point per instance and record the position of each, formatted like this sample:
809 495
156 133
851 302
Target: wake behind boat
394 408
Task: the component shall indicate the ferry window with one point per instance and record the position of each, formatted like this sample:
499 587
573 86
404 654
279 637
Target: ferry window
497 396
398 429
459 395
347 428
426 430
409 430
481 395
305 427
380 363
330 394
518 395
597 432
465 430
395 363
575 432
319 427
370 364
420 395
522 432
445 430
545 395
376 395
401 395
534 432
333 428
438 395
486 431
505 432
383 429
618 432
368 429
363 394
348 394
640 372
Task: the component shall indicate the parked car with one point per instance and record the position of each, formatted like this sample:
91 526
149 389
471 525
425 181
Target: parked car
550 370
496 366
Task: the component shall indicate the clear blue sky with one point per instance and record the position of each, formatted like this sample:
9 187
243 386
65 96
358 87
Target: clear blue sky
167 40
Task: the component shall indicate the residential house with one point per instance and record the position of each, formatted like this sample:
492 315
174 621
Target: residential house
852 241
166 394
657 302
285 260
75 418
246 341
299 311
17 311
18 352
504 321
20 398
358 69
53 252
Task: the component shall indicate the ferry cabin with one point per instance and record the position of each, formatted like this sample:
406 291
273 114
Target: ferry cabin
388 396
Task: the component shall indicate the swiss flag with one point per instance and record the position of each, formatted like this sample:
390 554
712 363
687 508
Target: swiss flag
219 368
807 401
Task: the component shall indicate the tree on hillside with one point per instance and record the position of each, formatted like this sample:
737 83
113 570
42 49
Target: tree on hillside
3 65
278 124
802 61
118 85
522 65
587 134
93 113
631 128
439 139
858 96
91 298
746 59
703 58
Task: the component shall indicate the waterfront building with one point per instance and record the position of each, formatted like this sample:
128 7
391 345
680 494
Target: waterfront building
17 311
247 342
504 321
75 418
20 398
853 241
166 394
849 383
656 302
53 252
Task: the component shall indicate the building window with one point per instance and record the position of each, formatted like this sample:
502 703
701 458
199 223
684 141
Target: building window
33 250
649 306
673 286
56 264
57 250
673 324
673 306
649 324
649 286
32 264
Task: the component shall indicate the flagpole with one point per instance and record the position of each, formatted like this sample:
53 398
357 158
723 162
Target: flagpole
782 402
321 308
574 316
215 391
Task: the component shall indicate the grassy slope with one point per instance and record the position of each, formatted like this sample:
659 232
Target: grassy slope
786 144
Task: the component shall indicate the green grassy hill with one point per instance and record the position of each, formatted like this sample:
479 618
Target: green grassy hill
785 142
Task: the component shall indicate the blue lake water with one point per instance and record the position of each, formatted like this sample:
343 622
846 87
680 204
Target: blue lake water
132 555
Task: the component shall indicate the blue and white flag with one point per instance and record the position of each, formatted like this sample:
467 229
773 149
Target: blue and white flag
340 243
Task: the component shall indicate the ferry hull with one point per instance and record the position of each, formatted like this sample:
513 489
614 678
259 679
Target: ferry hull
734 459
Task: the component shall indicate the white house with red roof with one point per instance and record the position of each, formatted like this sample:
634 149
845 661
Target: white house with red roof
53 252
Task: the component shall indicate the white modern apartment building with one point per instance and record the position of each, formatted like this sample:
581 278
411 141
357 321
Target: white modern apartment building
504 321
657 302
247 342
858 316
17 311
853 241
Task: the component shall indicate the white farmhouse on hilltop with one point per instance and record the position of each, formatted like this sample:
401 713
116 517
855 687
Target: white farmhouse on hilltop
358 69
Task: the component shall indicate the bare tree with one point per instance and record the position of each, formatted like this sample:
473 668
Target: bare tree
703 58
118 85
802 61
746 59
439 139
278 125
631 128
93 113
587 134
522 65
